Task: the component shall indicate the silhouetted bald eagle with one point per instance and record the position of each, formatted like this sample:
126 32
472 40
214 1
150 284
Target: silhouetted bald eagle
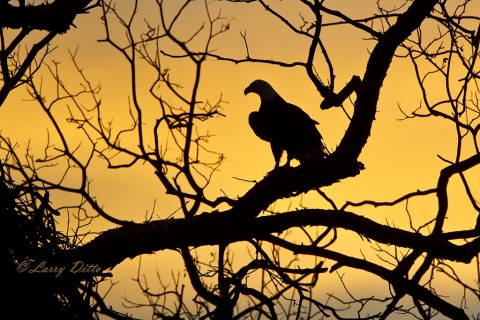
286 126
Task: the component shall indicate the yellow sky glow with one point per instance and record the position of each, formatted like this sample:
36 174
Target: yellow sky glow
400 157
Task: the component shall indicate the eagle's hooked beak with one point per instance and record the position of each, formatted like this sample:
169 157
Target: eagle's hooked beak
247 90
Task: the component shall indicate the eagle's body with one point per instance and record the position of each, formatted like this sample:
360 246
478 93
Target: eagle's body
286 126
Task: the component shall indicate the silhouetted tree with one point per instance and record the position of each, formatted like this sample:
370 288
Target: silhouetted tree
171 141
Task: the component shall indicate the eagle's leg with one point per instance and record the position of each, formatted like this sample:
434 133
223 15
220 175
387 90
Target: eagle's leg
277 154
287 164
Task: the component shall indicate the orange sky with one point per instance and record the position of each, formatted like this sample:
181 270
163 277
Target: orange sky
400 157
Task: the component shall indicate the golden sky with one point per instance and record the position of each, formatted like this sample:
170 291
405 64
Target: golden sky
400 157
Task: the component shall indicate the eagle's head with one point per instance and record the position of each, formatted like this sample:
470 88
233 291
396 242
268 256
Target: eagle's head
262 88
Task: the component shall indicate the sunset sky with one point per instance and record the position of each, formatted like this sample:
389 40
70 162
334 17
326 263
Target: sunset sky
401 156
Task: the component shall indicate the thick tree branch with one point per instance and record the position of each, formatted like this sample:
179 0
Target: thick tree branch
57 16
115 245
367 95
287 181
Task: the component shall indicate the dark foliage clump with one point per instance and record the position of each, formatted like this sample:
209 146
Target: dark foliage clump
30 243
